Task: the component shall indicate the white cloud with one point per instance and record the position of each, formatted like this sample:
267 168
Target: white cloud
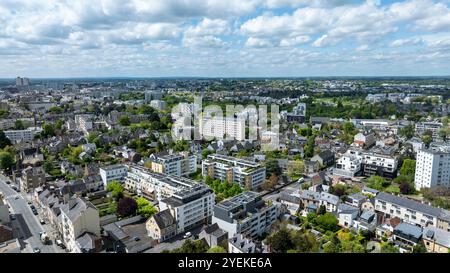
257 42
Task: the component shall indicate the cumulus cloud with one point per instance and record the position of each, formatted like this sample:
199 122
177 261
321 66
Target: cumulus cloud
216 36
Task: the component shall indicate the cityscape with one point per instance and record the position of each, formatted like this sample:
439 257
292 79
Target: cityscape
148 159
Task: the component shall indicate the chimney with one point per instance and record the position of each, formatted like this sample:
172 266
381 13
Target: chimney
72 203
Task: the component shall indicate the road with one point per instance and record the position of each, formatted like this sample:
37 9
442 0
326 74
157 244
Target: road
26 225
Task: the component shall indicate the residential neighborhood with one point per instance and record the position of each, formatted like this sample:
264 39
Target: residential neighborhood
106 167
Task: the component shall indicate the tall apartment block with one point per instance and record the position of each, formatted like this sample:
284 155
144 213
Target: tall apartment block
433 167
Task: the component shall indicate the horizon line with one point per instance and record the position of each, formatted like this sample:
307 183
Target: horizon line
222 77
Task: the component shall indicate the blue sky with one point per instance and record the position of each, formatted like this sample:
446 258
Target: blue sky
235 38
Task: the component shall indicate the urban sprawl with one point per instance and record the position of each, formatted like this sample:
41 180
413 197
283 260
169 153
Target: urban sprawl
356 165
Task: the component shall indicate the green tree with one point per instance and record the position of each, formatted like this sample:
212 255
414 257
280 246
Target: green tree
427 139
6 161
18 125
48 130
388 248
116 189
126 206
144 208
408 167
377 182
191 246
280 241
216 249
327 222
407 131
322 210
4 141
124 121
273 167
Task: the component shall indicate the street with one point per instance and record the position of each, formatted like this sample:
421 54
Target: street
26 225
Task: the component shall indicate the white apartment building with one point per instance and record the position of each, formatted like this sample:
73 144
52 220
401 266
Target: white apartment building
158 104
150 95
245 214
407 210
433 167
222 127
367 162
78 217
83 123
113 173
178 164
349 164
190 203
190 207
26 135
433 126
248 174
370 123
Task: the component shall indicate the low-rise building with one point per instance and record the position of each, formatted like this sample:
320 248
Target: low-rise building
113 173
32 177
161 226
436 240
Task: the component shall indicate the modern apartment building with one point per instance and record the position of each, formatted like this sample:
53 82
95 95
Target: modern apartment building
248 174
433 167
17 136
409 211
178 164
113 173
367 163
191 205
222 127
245 214
84 123
433 126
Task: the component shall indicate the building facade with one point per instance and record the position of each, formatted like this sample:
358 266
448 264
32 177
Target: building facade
247 174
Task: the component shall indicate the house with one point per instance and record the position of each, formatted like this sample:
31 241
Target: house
311 166
364 140
356 199
88 243
369 191
330 201
386 229
32 177
347 215
214 236
241 244
325 158
366 221
406 236
436 240
161 226
78 216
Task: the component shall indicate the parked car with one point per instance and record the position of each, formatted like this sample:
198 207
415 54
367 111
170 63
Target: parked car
42 221
187 235
7 182
12 217
35 212
36 250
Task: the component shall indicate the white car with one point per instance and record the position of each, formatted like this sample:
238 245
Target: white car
301 180
187 235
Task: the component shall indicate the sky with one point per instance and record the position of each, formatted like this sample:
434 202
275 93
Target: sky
224 38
